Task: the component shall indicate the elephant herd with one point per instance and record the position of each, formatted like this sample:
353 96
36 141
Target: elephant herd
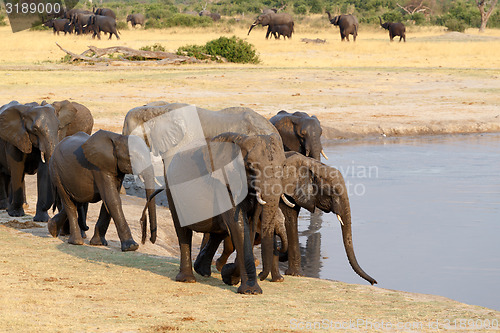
230 174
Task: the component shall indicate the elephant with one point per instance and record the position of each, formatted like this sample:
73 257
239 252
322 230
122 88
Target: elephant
281 30
348 25
104 12
300 132
213 16
59 25
395 29
272 20
28 136
80 21
136 19
168 123
312 184
98 23
101 162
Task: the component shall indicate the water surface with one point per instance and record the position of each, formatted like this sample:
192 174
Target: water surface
426 217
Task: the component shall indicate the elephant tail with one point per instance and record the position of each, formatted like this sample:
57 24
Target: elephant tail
143 221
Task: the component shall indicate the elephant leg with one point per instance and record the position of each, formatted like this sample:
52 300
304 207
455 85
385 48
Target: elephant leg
56 223
82 218
240 235
4 190
269 30
45 193
109 191
291 223
228 250
203 262
16 190
70 210
101 227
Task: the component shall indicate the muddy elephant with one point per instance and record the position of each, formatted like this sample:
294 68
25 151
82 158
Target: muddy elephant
271 20
312 184
28 136
100 23
136 19
59 25
348 25
182 123
101 162
395 29
300 132
104 12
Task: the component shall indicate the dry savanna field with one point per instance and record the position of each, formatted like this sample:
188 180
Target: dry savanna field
435 83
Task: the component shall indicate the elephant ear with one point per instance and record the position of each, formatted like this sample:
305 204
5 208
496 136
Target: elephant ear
99 150
65 111
12 127
299 180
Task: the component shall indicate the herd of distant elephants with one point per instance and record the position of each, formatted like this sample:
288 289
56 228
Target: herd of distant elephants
278 24
280 173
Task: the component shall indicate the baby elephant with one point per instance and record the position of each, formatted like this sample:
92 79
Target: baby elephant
87 169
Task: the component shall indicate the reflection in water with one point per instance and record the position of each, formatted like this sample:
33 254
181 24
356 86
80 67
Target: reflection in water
426 221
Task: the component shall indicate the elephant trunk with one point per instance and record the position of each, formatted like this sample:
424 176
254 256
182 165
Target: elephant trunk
148 175
251 27
268 229
281 232
329 15
380 19
345 221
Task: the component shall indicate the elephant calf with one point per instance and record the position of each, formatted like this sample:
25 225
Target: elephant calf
395 29
99 163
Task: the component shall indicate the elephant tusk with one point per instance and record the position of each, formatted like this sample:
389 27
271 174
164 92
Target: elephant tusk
259 199
142 179
158 183
340 219
43 158
324 155
286 201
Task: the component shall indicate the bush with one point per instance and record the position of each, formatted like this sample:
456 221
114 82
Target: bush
455 25
122 25
154 47
233 49
2 20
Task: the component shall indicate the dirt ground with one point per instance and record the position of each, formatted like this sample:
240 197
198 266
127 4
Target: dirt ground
435 83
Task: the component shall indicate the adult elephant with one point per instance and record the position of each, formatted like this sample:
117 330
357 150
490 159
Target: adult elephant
80 21
348 25
28 135
395 29
106 24
104 12
101 162
312 184
136 19
300 132
171 128
271 20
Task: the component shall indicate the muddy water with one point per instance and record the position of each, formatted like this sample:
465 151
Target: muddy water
426 217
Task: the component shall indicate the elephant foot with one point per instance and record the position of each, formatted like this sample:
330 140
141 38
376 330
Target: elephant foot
52 227
4 204
263 275
219 263
77 240
84 235
184 277
41 217
202 267
277 278
249 290
129 245
98 241
16 212
228 275
293 271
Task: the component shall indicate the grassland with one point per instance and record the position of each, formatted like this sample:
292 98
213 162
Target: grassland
434 83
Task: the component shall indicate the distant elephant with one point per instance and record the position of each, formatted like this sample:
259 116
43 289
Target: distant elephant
173 130
104 12
59 25
348 25
28 136
269 11
87 169
80 21
300 133
281 30
395 29
106 24
213 16
271 20
136 19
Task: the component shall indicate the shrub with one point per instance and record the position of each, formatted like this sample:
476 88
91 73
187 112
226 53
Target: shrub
233 49
455 25
2 20
154 47
122 25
